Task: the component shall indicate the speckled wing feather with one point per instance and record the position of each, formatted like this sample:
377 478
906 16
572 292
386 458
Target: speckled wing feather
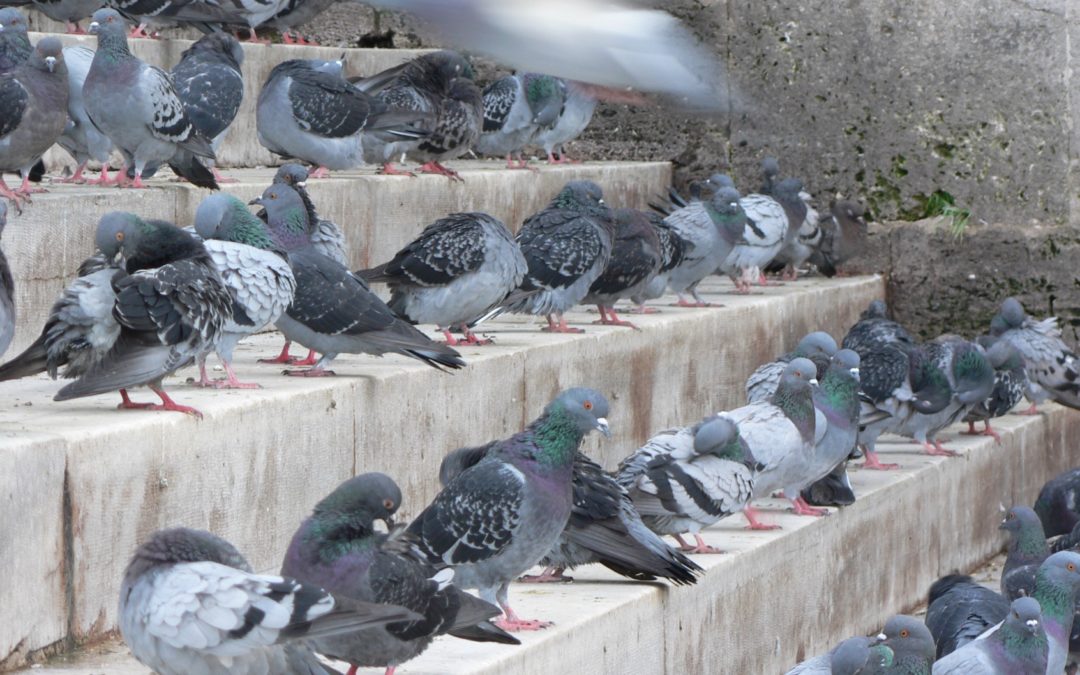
325 104
1049 362
882 371
499 97
763 381
14 100
446 249
261 283
559 247
170 121
211 92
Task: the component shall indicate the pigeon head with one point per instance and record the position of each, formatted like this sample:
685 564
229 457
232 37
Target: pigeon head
545 98
49 56
1025 615
848 359
1062 571
787 192
1013 313
465 90
799 373
998 325
850 211
447 65
224 217
585 409
581 195
719 436
818 343
291 174
183 545
108 23
143 244
118 231
770 167
726 202
720 180
1025 530
12 22
908 636
286 215
876 310
361 500
222 45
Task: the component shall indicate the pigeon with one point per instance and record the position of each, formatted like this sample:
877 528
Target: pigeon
70 12
338 548
904 646
254 271
297 13
566 247
82 140
458 121
500 517
671 255
768 220
841 237
1019 647
873 328
960 610
833 490
334 311
800 244
1010 381
1053 369
818 346
419 85
209 83
604 527
516 108
685 479
1058 503
7 292
15 46
850 656
635 259
456 270
579 103
837 398
1026 551
33 113
138 108
191 605
710 231
307 110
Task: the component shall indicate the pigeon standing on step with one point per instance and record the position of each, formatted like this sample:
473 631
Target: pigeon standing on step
566 247
710 231
684 480
82 140
254 271
15 46
1019 647
671 255
842 237
500 517
334 311
516 108
1058 503
579 103
190 605
7 291
1053 369
818 346
635 260
1010 382
1027 549
837 399
209 83
70 12
960 610
456 270
33 113
458 121
137 107
768 220
338 548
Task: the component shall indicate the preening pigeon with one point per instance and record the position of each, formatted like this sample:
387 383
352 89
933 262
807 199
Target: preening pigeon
579 103
1058 503
82 140
818 346
254 271
516 108
70 12
833 490
458 120
960 610
338 548
671 255
684 480
7 292
635 260
138 108
333 311
842 236
503 515
709 231
1053 369
1019 647
1026 550
1010 383
456 270
190 605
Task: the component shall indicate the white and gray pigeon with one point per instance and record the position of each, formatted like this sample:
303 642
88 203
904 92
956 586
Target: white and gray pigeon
33 113
840 237
801 243
1053 368
501 516
672 246
635 260
579 103
191 605
685 479
837 399
456 270
768 221
709 230
255 273
71 12
818 346
137 107
516 108
1018 647
82 140
7 291
782 434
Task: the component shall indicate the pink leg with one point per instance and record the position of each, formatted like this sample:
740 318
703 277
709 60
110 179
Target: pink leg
874 463
388 169
755 524
230 382
970 430
351 671
222 179
683 302
698 547
643 309
25 189
127 404
321 172
17 198
520 164
287 38
283 357
937 450
1033 410
436 168
308 360
550 575
168 404
802 508
610 318
255 39
140 32
74 29
512 624
990 432
471 339
560 327
451 341
76 177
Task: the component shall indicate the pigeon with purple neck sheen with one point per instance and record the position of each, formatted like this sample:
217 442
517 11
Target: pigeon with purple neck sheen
1019 647
635 259
501 516
1027 549
339 548
191 605
710 230
1058 503
818 346
1053 368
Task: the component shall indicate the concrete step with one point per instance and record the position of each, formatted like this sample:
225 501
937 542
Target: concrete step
378 213
775 597
85 483
241 146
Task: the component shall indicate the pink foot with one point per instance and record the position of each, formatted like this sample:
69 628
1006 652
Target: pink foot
937 450
166 404
321 172
520 164
74 29
698 547
550 575
642 309
874 463
230 382
971 430
103 178
140 32
222 179
127 404
610 318
990 432
283 357
254 38
755 524
518 625
451 341
388 169
76 178
1033 410
802 508
436 168
683 302
560 327
287 38
790 274
471 339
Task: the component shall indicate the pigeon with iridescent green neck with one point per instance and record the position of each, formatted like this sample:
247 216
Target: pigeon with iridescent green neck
1019 647
1026 551
1010 382
837 399
501 516
516 107
709 231
818 346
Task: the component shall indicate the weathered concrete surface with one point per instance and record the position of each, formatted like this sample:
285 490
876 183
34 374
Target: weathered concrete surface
379 214
260 459
771 601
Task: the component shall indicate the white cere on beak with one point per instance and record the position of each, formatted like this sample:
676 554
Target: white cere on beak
1 28
50 63
854 372
602 425
93 25
882 636
302 183
813 380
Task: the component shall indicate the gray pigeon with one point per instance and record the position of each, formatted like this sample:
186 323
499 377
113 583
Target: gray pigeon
671 255
82 140
254 271
458 120
635 260
456 270
297 13
339 548
209 83
1053 369
7 292
837 398
709 231
33 113
579 103
768 222
782 433
1027 549
686 479
1058 503
904 647
850 657
818 346
516 108
15 45
1010 382
1019 647
801 243
137 107
566 247
841 237
334 311
501 516
959 610
70 12
190 605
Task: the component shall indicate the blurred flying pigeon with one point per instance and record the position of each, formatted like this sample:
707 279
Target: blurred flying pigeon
7 292
339 548
150 128
70 12
1019 647
333 311
960 610
1053 369
500 517
82 140
579 103
1026 550
684 480
254 271
768 221
635 259
15 46
818 346
842 236
671 254
190 605
456 270
1010 382
33 113
516 108
458 120
710 231
1058 503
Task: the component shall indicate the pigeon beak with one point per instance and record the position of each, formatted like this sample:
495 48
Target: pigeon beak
855 373
389 523
881 637
602 427
302 183
93 27
813 380
50 63
257 200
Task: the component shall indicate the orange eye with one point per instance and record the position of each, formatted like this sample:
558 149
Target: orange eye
1071 567
904 633
588 405
388 503
119 236
273 195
